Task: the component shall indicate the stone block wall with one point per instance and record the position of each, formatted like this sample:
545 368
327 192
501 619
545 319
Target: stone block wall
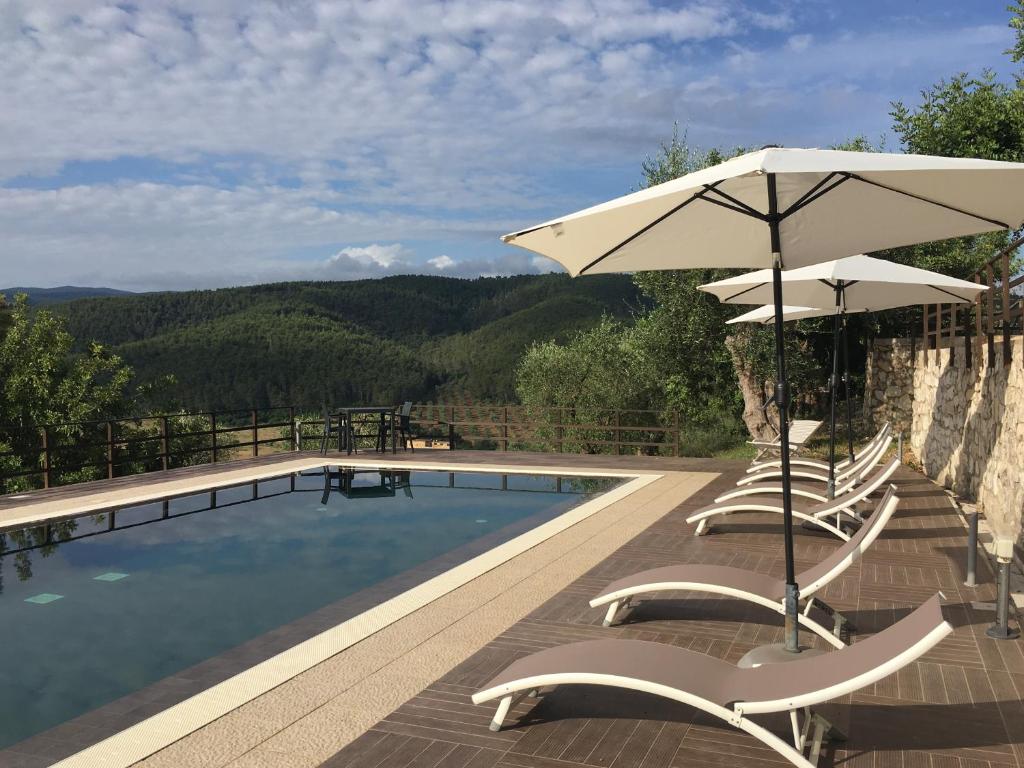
889 384
966 425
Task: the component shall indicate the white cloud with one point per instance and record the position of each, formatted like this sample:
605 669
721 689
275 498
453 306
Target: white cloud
373 255
442 262
204 143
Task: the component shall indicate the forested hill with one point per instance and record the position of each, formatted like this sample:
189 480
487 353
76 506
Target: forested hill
307 343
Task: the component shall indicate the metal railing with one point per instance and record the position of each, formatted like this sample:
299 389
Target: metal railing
987 325
43 456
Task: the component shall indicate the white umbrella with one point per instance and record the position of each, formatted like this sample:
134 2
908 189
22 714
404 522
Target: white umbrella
766 315
785 207
854 284
865 284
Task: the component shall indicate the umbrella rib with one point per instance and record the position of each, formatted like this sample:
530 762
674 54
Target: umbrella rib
737 205
656 222
727 299
813 193
953 208
950 293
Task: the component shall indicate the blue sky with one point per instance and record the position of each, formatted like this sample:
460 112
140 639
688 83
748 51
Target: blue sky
195 144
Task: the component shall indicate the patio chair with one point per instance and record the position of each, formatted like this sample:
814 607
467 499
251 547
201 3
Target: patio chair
756 587
403 427
800 431
723 690
856 470
844 503
333 427
757 466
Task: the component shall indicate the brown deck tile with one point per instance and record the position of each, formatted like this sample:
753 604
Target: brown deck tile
959 706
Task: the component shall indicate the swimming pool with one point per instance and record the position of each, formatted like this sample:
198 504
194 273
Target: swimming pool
108 604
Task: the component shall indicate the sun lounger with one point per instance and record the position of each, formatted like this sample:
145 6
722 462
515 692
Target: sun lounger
817 515
755 587
757 466
856 470
723 690
800 431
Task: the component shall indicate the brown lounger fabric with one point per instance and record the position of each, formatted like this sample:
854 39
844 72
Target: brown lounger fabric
877 478
720 682
718 575
748 581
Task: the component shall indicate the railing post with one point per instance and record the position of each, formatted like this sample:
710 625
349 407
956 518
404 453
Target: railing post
675 425
560 432
291 423
952 334
47 459
504 416
213 435
972 551
978 322
255 434
1005 268
968 343
991 329
110 450
618 433
925 345
451 428
165 445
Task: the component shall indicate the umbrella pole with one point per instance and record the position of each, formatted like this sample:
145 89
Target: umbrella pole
782 402
833 389
846 387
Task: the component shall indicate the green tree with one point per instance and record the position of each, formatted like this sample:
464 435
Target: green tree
41 382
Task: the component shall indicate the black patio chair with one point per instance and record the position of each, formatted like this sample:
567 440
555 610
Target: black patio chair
333 426
404 427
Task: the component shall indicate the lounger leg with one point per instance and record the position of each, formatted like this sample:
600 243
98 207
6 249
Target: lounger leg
702 527
499 716
614 608
841 623
784 749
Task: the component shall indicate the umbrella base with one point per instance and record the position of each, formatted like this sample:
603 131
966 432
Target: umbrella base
775 653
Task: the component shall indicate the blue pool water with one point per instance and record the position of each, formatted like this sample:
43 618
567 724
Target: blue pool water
91 614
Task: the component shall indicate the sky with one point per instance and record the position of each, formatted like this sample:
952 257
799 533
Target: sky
197 144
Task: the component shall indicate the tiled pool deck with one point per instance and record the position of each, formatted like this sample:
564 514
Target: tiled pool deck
401 697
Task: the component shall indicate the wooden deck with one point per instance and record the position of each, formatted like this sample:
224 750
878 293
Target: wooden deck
961 705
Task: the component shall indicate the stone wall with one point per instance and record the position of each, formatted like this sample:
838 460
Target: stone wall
889 384
966 424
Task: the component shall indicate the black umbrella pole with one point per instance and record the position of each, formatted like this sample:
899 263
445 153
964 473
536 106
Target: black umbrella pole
782 401
833 394
846 388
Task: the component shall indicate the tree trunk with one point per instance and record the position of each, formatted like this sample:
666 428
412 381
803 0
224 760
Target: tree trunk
754 393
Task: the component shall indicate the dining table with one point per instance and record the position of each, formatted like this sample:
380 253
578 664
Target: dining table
383 416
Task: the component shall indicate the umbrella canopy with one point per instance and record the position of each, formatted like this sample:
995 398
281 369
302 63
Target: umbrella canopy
854 284
827 204
867 285
766 315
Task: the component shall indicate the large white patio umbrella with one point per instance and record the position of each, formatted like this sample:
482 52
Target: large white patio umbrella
853 284
784 208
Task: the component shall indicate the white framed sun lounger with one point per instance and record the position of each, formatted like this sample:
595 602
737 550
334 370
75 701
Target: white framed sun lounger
751 586
857 469
843 503
800 431
757 466
728 692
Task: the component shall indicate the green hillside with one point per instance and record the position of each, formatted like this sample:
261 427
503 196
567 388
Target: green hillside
387 340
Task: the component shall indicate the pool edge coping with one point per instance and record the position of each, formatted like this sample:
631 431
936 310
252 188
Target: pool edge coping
143 739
